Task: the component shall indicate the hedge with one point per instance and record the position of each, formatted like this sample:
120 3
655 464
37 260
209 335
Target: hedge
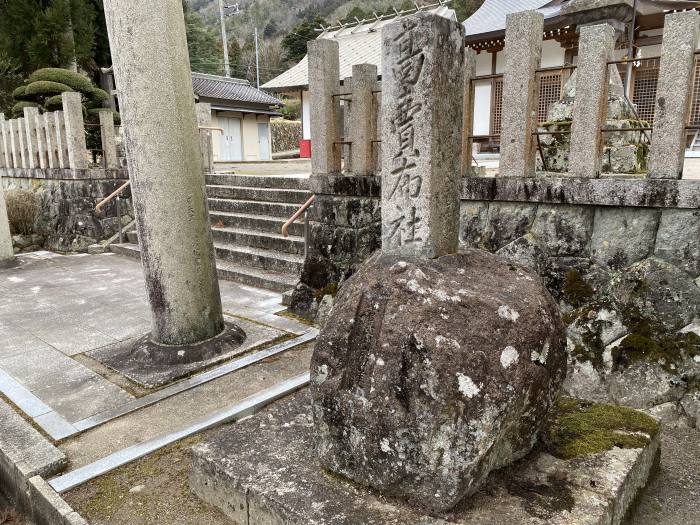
46 88
18 109
73 80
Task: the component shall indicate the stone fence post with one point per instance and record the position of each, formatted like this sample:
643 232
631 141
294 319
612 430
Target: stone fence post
41 141
22 141
5 154
30 116
596 45
61 141
468 118
680 40
324 84
364 80
7 253
50 129
523 50
75 130
422 96
13 133
109 144
203 110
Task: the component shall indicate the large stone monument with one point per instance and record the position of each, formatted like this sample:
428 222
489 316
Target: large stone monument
435 367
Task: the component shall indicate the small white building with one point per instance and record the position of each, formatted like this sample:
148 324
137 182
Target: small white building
243 112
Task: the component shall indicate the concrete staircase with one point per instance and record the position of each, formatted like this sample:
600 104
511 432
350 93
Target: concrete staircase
247 214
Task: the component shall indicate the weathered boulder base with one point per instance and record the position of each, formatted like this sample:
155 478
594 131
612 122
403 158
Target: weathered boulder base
431 373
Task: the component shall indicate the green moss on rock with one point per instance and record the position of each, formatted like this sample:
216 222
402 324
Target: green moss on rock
329 289
577 428
668 350
577 292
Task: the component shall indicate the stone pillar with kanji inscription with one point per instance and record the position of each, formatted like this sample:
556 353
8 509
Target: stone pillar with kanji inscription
422 97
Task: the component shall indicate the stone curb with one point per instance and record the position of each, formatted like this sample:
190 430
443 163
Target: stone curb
26 458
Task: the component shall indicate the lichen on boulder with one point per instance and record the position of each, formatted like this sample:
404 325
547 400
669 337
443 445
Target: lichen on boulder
432 373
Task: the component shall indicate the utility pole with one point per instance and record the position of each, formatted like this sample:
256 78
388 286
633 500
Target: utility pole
227 64
257 59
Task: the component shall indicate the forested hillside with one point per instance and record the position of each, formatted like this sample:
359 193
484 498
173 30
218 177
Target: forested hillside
284 26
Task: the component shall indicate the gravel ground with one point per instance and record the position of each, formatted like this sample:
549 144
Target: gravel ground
673 496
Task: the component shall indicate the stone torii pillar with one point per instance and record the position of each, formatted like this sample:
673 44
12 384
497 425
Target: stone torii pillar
152 72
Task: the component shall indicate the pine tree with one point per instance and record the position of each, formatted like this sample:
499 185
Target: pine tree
295 41
204 45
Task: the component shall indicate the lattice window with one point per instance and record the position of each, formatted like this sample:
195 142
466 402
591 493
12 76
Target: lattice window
646 79
550 91
496 105
694 118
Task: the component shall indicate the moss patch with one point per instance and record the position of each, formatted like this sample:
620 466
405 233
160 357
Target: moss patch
668 350
577 292
577 428
329 289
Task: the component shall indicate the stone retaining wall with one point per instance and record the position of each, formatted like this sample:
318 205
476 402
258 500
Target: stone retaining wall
286 134
67 200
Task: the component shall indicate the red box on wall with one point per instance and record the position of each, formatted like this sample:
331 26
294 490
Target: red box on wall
305 149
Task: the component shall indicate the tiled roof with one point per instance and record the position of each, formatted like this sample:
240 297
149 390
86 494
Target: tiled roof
358 45
491 16
233 89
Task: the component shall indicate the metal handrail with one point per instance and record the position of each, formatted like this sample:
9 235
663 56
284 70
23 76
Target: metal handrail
301 211
115 193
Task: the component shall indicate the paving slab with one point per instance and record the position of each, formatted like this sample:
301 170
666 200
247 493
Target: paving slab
186 408
263 471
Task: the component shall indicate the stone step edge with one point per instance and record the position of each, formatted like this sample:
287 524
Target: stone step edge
257 233
275 280
22 478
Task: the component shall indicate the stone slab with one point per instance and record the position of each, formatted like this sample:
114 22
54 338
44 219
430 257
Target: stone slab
24 453
264 473
644 193
118 357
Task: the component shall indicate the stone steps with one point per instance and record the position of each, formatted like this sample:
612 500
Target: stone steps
251 221
247 214
258 194
230 271
286 182
272 260
259 239
269 209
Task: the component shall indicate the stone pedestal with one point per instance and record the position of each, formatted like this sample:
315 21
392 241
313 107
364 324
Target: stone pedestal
422 96
149 49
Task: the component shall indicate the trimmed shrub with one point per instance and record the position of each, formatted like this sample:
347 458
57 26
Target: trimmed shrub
93 115
54 103
18 109
97 95
46 88
73 80
22 210
19 93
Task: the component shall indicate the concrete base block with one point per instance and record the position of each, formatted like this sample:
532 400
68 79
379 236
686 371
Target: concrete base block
152 365
264 472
